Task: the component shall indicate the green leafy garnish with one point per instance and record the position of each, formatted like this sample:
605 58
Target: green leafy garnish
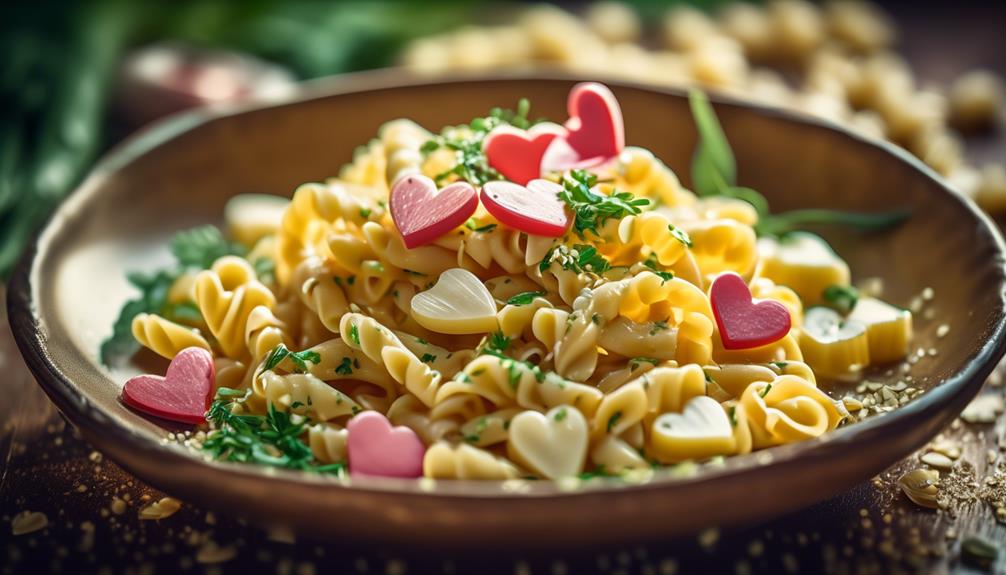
299 359
345 367
680 235
265 269
524 298
780 224
497 342
651 262
589 260
561 414
613 420
591 209
193 249
354 334
714 173
598 471
842 299
273 439
428 358
473 225
472 165
186 312
765 391
199 247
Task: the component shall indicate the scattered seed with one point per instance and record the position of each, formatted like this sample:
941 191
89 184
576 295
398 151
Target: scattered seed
921 486
28 522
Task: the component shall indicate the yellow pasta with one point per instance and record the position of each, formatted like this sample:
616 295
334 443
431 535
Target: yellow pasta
165 338
496 352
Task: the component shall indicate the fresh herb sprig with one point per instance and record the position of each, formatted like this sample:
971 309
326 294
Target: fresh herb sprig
273 439
299 359
591 209
192 249
472 164
842 299
714 173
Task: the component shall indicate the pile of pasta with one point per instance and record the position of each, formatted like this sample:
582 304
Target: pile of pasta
618 370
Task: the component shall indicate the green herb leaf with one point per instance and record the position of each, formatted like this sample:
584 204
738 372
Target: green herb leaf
200 247
345 367
299 359
524 298
680 235
713 166
842 299
153 299
613 420
561 414
428 358
591 209
779 224
265 269
473 225
471 163
589 260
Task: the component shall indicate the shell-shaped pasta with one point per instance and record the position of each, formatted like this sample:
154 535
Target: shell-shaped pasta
305 394
462 461
381 345
507 382
788 409
327 442
164 337
226 295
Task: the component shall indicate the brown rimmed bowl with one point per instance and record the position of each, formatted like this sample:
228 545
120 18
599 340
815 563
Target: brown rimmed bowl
64 297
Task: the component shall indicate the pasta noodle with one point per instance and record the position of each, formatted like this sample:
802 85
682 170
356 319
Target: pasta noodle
506 351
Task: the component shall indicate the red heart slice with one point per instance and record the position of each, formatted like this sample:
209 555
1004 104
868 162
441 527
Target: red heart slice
595 123
535 208
517 153
743 323
182 395
422 214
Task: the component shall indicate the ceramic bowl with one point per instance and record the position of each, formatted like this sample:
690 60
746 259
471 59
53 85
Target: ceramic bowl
70 285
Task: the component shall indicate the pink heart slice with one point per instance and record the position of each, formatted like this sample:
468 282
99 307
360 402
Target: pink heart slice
560 157
182 395
595 121
744 323
375 448
422 214
535 208
516 153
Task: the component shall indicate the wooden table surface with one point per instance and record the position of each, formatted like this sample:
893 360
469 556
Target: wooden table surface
92 505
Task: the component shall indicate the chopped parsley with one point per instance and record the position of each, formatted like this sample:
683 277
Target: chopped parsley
473 225
273 439
299 359
354 334
471 163
651 262
561 414
657 327
580 258
765 391
680 235
613 420
428 358
345 367
524 298
591 209
365 212
637 362
780 365
497 342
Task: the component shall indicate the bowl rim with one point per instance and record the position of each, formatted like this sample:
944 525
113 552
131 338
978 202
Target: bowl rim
26 323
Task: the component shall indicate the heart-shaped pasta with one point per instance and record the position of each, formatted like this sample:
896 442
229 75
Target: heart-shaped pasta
700 432
553 444
459 303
